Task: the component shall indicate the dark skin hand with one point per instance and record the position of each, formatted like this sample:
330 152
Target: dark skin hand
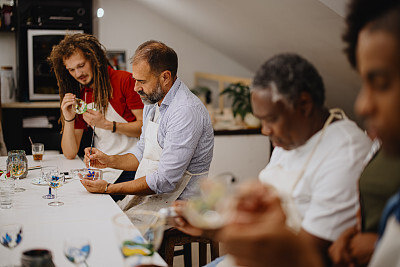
353 248
361 247
339 252
258 236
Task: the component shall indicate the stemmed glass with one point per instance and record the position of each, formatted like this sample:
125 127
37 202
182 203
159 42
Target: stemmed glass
45 172
55 180
209 210
77 250
17 167
139 236
11 235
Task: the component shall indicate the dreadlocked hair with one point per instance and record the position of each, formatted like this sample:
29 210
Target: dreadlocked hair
93 51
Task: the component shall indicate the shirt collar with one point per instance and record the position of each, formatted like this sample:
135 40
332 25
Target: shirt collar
171 93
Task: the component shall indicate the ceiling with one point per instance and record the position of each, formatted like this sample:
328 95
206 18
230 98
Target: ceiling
251 31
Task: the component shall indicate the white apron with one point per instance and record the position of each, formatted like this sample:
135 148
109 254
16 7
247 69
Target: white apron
286 181
149 164
112 143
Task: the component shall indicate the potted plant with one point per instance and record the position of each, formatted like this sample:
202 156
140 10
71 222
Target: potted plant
241 104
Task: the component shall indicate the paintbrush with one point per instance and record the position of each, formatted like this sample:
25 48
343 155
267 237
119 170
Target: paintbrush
91 143
34 168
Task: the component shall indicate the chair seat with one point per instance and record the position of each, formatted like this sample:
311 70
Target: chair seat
173 237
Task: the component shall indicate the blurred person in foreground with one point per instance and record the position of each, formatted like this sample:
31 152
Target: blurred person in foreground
373 39
175 149
258 237
318 155
378 182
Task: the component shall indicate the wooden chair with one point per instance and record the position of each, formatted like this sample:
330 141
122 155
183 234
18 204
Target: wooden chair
173 237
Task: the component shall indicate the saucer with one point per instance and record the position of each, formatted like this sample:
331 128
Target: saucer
39 181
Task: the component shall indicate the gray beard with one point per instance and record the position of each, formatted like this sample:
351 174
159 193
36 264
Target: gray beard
153 97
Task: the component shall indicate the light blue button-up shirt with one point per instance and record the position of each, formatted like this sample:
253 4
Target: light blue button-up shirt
186 136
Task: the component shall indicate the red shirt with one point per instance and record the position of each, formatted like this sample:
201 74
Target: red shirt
124 96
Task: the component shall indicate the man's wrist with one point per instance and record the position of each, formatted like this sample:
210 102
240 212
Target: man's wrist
111 161
71 120
108 125
114 127
107 188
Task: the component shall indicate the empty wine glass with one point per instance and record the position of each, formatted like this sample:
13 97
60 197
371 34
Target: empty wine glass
139 236
44 173
11 236
56 180
17 167
209 210
77 250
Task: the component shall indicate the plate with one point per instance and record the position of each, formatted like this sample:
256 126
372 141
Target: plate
39 181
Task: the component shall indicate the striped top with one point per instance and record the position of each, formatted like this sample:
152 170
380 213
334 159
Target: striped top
186 136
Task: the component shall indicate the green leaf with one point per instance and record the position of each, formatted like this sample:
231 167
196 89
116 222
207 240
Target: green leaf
240 95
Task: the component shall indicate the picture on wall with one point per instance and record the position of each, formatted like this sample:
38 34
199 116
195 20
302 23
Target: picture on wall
117 59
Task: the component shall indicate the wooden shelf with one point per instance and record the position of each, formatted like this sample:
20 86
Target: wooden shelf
12 29
42 104
238 132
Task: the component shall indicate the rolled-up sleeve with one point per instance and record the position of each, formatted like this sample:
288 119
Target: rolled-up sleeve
183 131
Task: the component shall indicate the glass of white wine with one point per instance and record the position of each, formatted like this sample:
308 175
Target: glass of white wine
55 180
17 167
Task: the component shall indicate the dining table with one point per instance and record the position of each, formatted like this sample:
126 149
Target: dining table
83 215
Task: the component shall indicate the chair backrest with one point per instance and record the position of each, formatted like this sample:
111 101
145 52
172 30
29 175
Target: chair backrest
173 237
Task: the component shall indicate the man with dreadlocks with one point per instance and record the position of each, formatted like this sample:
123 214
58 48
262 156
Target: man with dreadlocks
114 108
176 146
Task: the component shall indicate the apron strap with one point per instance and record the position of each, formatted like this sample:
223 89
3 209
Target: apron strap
335 113
196 174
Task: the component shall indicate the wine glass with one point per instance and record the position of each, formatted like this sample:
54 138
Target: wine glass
139 235
55 180
77 250
80 106
44 173
209 210
17 167
11 235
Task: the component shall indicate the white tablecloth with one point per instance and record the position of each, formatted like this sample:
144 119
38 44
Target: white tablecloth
83 214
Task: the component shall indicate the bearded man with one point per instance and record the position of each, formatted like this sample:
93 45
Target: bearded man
176 145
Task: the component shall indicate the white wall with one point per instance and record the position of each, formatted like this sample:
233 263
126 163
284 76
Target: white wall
8 49
126 24
243 155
